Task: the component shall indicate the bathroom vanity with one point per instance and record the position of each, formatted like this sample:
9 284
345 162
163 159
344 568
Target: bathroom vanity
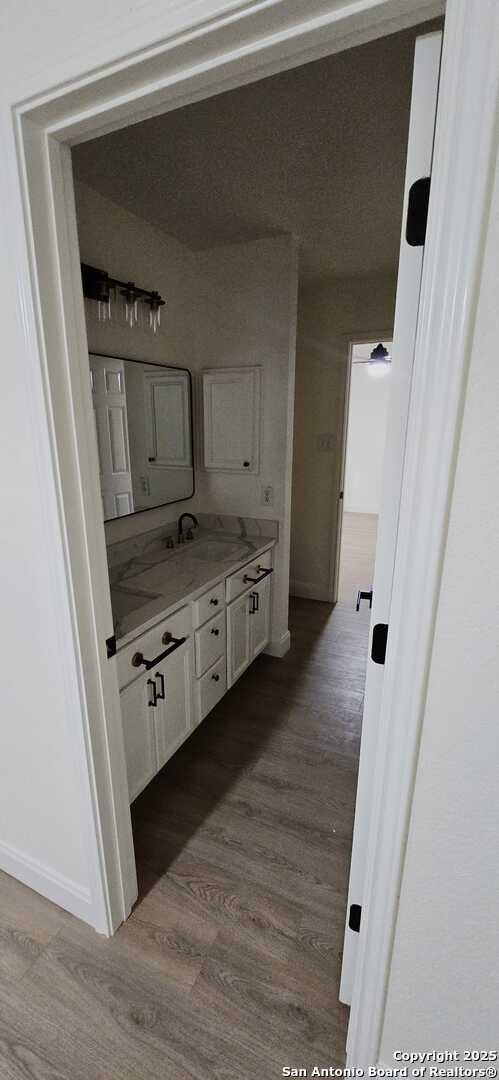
189 621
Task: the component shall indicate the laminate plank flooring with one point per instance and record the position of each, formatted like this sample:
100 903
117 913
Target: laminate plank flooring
229 965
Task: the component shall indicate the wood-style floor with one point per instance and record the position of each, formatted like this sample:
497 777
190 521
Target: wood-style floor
228 968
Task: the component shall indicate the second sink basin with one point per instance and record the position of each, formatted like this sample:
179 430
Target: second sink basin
215 550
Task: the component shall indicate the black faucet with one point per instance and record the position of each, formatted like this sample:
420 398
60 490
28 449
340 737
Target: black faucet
180 536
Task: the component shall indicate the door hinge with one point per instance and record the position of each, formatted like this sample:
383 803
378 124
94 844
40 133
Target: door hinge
354 917
417 211
378 644
111 646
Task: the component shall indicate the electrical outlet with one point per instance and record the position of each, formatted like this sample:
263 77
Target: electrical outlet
144 485
267 495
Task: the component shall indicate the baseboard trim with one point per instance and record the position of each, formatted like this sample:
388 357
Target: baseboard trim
48 882
306 590
279 647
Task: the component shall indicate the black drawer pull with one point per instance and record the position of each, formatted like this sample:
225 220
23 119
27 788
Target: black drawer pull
160 693
263 574
215 632
152 684
214 602
215 678
138 659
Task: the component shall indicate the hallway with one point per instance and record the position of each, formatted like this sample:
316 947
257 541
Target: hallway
229 965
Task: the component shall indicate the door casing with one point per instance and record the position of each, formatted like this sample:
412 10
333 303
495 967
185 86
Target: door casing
238 43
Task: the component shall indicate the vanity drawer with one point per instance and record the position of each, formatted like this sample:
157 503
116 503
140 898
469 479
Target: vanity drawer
209 604
211 688
235 584
179 625
210 643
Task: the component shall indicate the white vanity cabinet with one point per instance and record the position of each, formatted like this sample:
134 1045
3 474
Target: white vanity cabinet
198 652
248 628
210 649
260 619
157 704
238 637
173 713
139 734
231 406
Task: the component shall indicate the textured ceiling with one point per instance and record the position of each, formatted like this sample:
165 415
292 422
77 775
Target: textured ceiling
318 151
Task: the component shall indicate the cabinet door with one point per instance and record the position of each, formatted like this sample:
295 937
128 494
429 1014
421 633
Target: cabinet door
168 429
231 398
138 733
238 638
173 719
260 618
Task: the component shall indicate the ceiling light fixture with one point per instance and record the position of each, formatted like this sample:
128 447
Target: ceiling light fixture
379 361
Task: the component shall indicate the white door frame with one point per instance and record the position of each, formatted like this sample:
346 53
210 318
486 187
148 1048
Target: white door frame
334 563
245 41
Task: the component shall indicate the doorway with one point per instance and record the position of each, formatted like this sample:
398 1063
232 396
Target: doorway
101 619
365 432
221 812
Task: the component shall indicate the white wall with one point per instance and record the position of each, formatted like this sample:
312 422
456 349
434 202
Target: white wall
367 418
329 317
444 983
246 314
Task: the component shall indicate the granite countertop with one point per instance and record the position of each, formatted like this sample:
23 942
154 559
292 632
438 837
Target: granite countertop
158 580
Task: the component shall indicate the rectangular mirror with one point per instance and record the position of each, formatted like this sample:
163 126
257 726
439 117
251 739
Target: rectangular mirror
143 419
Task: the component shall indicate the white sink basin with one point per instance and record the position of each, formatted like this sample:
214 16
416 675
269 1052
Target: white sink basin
215 550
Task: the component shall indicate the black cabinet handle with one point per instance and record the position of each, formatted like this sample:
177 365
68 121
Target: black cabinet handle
215 678
214 602
254 602
160 694
152 684
138 658
215 632
246 464
263 574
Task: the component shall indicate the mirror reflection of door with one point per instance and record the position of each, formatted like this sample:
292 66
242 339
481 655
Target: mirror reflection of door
166 398
110 410
144 434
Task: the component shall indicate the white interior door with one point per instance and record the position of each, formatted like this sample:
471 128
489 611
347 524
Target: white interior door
419 158
109 398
